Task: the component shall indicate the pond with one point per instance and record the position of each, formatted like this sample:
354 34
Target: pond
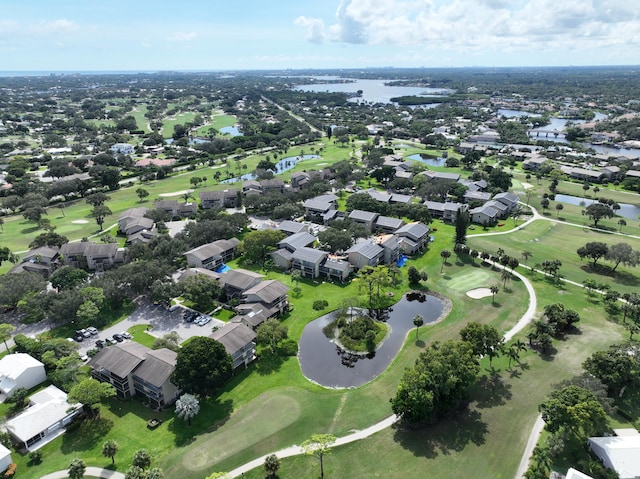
626 210
429 160
285 164
325 363
230 130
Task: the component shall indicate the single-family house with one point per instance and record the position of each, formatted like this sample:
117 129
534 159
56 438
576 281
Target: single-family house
218 199
44 420
239 342
413 237
5 458
133 368
272 293
297 240
365 253
236 281
365 218
212 255
19 370
575 474
620 453
308 261
89 255
122 149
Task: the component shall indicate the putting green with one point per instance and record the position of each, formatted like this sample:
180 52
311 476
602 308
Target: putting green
471 278
254 422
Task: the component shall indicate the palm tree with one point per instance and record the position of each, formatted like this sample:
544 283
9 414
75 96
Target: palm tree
271 465
154 473
109 449
187 407
506 276
76 469
513 353
526 255
417 322
445 254
559 208
621 223
494 291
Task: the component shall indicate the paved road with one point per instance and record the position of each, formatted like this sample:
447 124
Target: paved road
528 450
90 472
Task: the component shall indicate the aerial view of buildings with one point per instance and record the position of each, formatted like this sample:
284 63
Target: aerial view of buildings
243 245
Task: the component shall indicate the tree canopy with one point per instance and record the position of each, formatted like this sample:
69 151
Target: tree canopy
258 244
202 366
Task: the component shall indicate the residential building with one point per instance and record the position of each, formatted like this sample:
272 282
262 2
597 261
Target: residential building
219 199
239 342
133 368
392 248
5 458
237 281
365 253
212 255
289 227
92 256
308 261
19 370
413 237
41 260
365 218
122 149
297 240
174 209
272 293
335 269
130 215
620 453
387 224
44 420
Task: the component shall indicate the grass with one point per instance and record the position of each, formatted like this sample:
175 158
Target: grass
140 335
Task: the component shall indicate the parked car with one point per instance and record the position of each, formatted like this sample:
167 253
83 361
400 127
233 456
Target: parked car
109 342
125 335
79 338
99 344
92 331
118 337
205 320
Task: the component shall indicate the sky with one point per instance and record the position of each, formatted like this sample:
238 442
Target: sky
203 35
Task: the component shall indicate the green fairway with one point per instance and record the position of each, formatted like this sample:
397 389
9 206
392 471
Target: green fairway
471 279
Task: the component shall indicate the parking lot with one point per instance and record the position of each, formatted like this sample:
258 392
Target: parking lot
161 321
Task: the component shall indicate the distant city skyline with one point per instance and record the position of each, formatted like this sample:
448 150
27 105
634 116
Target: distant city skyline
73 35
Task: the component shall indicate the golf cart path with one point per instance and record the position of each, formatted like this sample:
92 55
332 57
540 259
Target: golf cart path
90 472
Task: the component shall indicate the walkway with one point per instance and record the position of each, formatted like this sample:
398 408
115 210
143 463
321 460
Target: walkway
90 472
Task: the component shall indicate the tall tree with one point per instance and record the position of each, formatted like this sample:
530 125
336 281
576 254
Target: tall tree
593 250
110 449
258 244
271 333
141 459
271 465
485 340
5 333
319 445
372 282
7 255
90 393
574 410
142 193
462 223
202 366
445 254
76 469
598 211
418 321
622 253
99 213
187 407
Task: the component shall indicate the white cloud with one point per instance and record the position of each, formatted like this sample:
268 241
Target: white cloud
53 27
466 25
182 36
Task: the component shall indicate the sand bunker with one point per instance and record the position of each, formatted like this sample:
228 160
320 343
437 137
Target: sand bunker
79 222
526 186
479 293
176 193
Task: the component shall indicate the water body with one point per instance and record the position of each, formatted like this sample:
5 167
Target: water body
325 363
285 164
428 160
626 210
373 91
230 130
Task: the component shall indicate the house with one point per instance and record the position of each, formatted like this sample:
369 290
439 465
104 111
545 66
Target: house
620 453
236 281
254 314
399 198
484 215
391 245
239 341
575 474
219 199
308 261
335 269
413 237
365 253
187 273
212 255
378 195
299 179
143 236
441 176
133 368
583 174
365 218
282 258
136 225
289 227
41 260
450 211
130 215
476 196
44 420
174 209
316 208
19 370
510 200
297 240
122 149
251 187
271 293
274 185
89 255
534 163
386 224
5 458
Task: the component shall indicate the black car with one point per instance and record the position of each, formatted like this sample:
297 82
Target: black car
118 337
99 344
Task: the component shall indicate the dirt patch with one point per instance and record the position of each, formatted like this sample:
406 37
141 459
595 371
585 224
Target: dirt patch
479 293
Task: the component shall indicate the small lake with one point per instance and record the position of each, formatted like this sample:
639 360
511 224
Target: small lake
325 363
230 130
285 164
626 210
427 160
373 91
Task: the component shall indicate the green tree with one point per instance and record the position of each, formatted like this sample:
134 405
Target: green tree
574 410
187 407
7 255
110 449
445 254
622 253
462 223
335 239
202 365
271 465
5 333
418 321
559 208
134 472
319 445
141 459
593 250
195 181
99 213
618 367
90 393
437 384
142 193
271 333
494 290
598 211
485 340
155 473
97 199
372 281
258 244
76 468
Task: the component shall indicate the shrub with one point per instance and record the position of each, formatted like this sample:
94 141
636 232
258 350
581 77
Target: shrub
320 304
11 471
35 457
288 347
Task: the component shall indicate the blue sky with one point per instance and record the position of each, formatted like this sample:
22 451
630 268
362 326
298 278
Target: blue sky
262 34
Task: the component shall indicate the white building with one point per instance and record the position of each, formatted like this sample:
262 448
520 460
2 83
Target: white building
620 453
5 458
19 370
44 420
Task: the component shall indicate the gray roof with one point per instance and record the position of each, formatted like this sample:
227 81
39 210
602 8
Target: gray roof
416 230
234 336
311 255
337 264
362 215
399 198
210 250
289 226
368 249
196 271
166 204
378 195
120 359
318 205
44 252
88 248
452 206
507 195
133 213
434 205
158 366
239 278
268 291
297 240
487 210
388 222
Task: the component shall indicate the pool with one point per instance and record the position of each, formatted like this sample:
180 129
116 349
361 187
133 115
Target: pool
401 261
223 269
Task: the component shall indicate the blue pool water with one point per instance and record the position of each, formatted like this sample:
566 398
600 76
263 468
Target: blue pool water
222 269
401 261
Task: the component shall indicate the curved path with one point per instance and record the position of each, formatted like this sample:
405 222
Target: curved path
90 472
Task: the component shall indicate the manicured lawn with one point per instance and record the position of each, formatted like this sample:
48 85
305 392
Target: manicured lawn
140 335
549 240
170 122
